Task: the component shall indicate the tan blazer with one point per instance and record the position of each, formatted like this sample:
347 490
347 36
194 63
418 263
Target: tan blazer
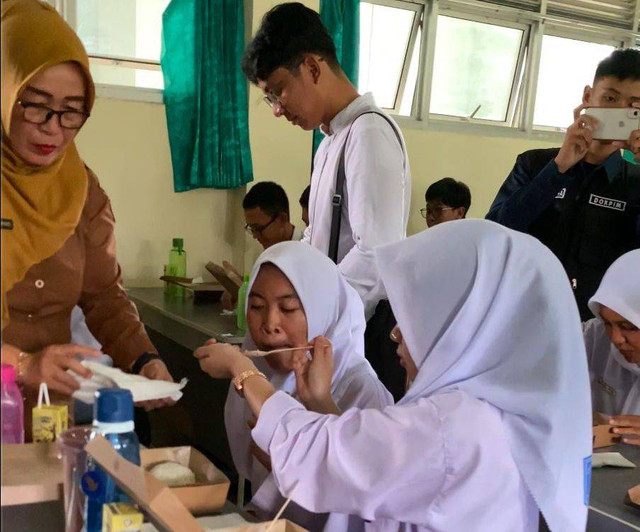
83 272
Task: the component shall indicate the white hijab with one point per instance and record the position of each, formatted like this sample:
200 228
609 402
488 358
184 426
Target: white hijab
333 309
620 291
489 311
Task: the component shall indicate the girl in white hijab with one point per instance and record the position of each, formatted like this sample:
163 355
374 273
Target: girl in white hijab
496 426
316 301
612 340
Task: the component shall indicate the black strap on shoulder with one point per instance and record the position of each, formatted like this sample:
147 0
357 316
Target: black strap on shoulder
337 200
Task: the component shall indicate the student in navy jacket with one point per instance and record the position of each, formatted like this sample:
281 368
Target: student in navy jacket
582 200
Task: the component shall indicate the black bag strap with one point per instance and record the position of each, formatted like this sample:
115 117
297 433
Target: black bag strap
337 200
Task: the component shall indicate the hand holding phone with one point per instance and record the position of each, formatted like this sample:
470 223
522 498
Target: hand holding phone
614 123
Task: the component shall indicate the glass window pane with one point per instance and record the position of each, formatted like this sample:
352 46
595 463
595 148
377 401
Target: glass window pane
475 64
412 78
129 29
384 36
121 28
566 67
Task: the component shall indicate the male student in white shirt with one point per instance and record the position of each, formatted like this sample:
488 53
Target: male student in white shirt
292 58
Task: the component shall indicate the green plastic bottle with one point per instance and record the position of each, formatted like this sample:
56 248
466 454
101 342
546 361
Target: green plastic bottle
177 267
242 303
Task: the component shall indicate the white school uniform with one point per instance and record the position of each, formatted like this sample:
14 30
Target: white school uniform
377 194
615 382
497 424
333 309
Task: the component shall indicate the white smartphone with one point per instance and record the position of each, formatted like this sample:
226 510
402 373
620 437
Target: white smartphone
614 123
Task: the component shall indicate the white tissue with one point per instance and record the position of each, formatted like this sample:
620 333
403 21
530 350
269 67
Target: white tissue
610 459
141 388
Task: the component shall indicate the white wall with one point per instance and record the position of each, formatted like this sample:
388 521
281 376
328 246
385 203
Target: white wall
126 144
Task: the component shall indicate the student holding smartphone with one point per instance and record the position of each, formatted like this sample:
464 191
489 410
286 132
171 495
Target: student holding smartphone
582 200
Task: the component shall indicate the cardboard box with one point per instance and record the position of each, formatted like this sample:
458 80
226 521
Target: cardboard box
31 473
209 493
633 497
121 517
281 525
602 435
213 523
164 509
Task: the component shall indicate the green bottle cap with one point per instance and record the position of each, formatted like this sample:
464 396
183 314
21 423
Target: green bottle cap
246 278
178 243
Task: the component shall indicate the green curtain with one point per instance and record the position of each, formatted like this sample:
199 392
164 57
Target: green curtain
628 155
205 93
342 20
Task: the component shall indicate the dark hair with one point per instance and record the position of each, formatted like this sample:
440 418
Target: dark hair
269 196
287 32
621 64
450 192
304 197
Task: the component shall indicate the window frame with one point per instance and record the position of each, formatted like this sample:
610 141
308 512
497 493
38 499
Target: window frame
68 11
536 23
559 32
418 10
514 93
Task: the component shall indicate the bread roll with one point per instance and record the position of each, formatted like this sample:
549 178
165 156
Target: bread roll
173 474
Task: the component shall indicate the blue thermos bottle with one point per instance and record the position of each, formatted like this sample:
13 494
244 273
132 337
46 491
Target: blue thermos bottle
113 419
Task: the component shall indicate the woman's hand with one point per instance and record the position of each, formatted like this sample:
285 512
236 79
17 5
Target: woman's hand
627 426
156 370
51 364
313 379
222 361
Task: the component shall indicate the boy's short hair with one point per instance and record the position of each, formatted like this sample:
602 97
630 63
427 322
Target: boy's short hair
304 197
450 192
287 32
621 64
269 196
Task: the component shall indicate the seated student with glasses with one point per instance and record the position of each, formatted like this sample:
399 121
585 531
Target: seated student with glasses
58 245
266 211
446 200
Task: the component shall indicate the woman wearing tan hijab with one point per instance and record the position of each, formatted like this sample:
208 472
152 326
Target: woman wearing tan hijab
58 247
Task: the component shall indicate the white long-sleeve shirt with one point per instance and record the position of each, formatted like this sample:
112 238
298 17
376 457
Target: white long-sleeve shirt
377 195
442 464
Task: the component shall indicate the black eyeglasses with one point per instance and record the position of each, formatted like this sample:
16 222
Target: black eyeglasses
36 113
255 230
436 212
274 100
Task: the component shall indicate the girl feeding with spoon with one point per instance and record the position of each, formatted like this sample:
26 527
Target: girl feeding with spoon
297 294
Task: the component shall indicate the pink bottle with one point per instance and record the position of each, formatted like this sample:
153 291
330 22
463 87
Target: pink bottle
12 407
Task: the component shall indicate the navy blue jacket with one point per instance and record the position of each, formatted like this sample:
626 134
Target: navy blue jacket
588 216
